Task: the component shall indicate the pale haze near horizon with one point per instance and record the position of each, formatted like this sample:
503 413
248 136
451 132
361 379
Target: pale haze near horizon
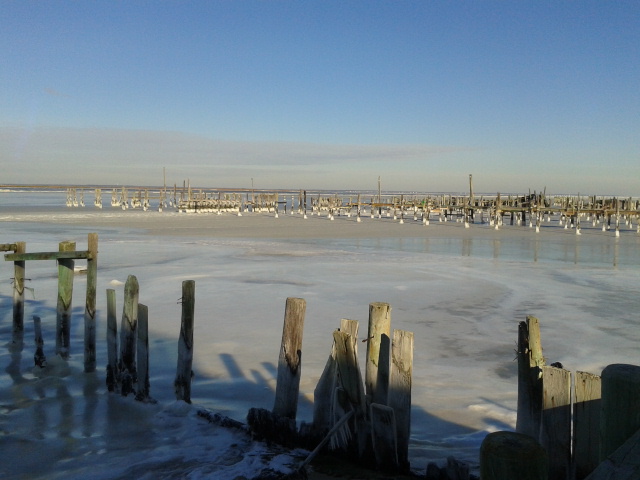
323 95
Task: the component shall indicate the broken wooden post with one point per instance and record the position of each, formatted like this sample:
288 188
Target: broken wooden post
510 455
586 424
184 372
555 434
18 290
290 360
530 361
142 393
90 305
620 414
128 331
400 381
65 293
112 341
39 358
379 324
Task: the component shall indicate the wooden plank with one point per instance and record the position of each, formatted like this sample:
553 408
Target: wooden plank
184 372
290 359
65 294
379 324
620 414
112 341
586 423
90 305
62 255
383 437
555 433
400 391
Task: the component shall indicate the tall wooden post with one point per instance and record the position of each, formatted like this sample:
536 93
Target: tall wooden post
379 325
18 290
182 383
128 331
400 391
112 341
530 362
65 293
290 360
90 305
586 424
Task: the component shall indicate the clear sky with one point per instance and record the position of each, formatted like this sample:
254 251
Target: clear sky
323 94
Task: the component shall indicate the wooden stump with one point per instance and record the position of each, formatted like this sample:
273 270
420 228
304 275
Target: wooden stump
65 294
511 455
620 416
290 360
184 372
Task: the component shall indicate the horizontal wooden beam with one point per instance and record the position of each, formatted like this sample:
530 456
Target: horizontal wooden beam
73 255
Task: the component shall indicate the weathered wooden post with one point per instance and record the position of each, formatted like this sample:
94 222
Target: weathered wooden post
65 293
90 305
555 434
290 360
128 331
586 424
379 325
530 361
39 358
18 289
620 414
510 455
400 391
383 437
182 382
142 393
112 341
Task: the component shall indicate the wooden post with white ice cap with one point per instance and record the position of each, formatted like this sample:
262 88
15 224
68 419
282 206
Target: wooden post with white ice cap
290 360
184 372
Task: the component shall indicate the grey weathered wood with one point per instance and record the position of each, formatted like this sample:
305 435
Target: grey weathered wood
555 434
530 361
623 464
510 456
620 414
90 305
184 372
143 353
400 382
383 436
128 332
379 324
586 423
349 371
18 289
112 341
61 255
65 294
290 359
39 358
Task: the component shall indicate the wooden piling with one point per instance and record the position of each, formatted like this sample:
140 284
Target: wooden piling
383 437
555 434
90 305
18 289
112 341
65 294
290 359
379 324
142 393
400 391
586 424
128 332
39 358
620 414
511 455
184 372
530 361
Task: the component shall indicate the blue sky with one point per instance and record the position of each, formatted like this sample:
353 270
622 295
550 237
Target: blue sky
323 94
